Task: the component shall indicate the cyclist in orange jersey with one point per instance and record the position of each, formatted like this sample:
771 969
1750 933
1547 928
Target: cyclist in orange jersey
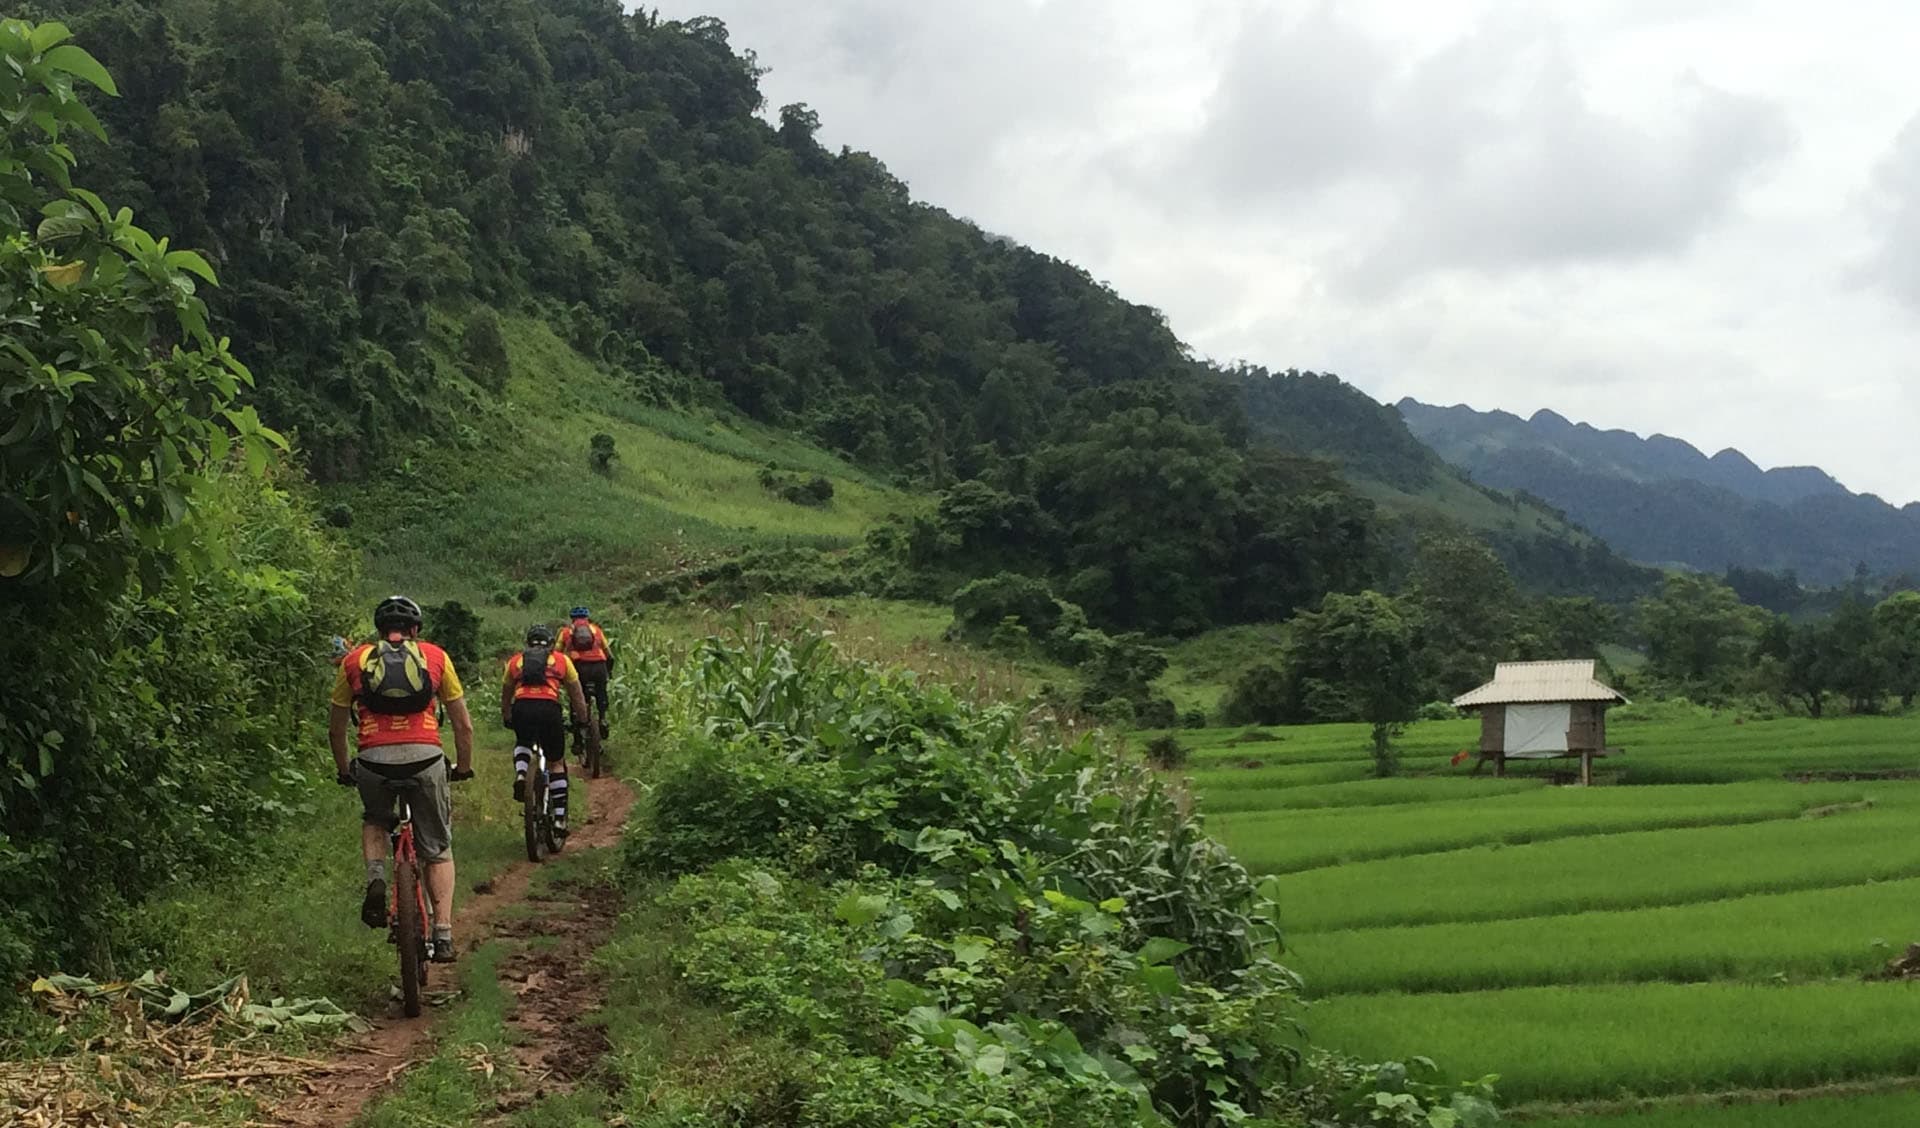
530 706
394 685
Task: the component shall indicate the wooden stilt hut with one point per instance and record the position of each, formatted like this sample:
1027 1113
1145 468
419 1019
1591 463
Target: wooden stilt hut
1543 711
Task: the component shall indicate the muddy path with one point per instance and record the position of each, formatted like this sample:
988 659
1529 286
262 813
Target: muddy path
553 1048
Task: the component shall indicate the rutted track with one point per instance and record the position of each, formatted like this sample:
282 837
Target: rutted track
368 1066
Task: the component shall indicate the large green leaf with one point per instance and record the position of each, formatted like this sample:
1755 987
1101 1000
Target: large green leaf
78 63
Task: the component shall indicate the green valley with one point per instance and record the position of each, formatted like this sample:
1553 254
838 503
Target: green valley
1016 716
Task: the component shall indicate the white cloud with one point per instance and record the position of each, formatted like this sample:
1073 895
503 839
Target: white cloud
1651 215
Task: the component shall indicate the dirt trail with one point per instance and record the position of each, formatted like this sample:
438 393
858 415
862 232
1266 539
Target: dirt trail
553 1051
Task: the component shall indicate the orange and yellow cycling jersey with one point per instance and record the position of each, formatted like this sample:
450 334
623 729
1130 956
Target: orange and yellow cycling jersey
377 729
594 653
559 673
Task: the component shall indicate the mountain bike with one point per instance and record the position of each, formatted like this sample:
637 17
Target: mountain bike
537 811
589 754
409 920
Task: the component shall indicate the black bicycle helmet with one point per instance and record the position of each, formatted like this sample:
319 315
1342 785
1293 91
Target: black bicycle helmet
396 613
540 634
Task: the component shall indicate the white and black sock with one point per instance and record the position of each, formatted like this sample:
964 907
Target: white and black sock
557 799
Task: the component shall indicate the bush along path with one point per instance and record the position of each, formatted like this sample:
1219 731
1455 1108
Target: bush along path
853 900
527 935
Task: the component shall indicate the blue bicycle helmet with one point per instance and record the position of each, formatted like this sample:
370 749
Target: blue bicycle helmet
580 613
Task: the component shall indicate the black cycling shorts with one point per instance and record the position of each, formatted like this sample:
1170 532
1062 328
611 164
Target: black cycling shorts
593 679
538 723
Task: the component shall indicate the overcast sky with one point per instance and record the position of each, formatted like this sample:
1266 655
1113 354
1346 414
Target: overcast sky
1696 217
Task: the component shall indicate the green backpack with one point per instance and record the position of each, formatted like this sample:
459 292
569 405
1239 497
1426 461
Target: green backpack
394 679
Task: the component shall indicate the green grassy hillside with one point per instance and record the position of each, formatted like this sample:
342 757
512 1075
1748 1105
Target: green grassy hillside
509 498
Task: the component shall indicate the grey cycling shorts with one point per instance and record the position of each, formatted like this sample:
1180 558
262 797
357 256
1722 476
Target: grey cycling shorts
424 784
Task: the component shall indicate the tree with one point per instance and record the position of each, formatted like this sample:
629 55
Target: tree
1260 695
1356 659
1149 504
982 606
1859 656
484 347
1570 627
109 424
1798 661
1898 621
149 537
1469 611
1698 632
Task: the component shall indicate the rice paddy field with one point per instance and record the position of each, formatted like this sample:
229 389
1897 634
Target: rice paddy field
1693 941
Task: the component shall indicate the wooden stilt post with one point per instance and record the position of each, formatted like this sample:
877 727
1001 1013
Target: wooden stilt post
1586 769
1499 763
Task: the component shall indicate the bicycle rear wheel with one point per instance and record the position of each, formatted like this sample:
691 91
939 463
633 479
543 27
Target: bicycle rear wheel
409 932
534 811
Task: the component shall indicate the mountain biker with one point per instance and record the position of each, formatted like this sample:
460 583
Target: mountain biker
586 644
530 706
394 684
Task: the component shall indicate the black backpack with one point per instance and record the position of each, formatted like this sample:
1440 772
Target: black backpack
395 680
582 636
533 665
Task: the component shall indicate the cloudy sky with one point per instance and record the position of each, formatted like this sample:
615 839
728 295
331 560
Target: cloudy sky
1698 217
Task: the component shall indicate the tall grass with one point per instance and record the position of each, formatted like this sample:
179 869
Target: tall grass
1566 1043
1812 933
1284 841
1315 786
1664 867
1875 1110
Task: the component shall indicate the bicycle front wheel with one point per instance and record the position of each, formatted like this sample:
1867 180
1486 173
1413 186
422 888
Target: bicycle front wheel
409 936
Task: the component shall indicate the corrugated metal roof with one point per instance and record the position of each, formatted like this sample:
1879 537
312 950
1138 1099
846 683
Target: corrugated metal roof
1516 683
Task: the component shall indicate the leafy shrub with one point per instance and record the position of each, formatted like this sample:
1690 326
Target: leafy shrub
1257 697
1193 719
340 516
156 743
484 349
1156 711
455 627
983 605
1437 711
998 904
955 915
1166 753
799 571
527 594
1010 637
815 491
743 799
601 453
1123 668
169 631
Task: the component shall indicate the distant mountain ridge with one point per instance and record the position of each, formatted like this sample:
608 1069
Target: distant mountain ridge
1662 500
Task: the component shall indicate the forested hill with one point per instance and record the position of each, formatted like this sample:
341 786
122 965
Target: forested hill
1660 500
376 180
353 165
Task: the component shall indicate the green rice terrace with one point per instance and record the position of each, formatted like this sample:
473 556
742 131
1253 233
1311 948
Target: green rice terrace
1702 938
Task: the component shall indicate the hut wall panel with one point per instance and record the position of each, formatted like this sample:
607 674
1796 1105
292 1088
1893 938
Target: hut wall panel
1587 731
1493 728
